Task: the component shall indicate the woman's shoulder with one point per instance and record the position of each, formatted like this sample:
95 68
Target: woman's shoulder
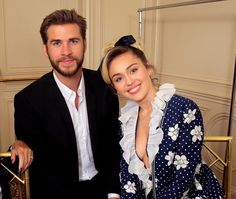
182 101
182 108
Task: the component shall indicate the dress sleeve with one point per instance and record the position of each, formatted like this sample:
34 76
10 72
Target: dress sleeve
182 157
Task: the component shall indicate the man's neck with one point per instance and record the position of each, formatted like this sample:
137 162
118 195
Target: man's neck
71 82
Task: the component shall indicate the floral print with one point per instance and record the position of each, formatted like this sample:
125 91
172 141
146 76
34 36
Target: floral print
180 161
190 116
196 133
174 132
179 170
170 157
130 187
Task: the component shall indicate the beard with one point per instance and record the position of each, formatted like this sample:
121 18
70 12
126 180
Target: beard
55 65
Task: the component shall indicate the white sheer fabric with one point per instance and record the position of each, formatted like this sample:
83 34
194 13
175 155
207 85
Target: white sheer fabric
128 117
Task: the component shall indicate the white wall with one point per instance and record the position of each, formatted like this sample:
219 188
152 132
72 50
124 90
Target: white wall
195 48
21 57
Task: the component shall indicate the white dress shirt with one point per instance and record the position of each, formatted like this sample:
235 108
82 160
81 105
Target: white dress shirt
79 117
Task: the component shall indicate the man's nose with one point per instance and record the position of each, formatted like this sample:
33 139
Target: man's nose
66 49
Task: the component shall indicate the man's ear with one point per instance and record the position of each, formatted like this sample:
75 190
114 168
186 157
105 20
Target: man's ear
45 50
85 45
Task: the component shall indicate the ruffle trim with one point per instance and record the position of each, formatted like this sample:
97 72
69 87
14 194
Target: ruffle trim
128 118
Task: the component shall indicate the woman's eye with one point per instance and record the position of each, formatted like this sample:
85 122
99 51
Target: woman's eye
118 79
133 70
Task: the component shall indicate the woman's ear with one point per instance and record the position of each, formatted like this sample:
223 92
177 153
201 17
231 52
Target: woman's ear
150 70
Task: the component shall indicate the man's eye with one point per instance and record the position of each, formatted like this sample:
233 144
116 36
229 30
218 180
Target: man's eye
56 43
74 41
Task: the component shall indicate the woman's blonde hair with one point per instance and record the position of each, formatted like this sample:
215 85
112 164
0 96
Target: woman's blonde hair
123 45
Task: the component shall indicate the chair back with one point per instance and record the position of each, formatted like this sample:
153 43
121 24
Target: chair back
17 184
225 161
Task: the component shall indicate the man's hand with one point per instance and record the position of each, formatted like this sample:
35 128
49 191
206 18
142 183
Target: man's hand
24 153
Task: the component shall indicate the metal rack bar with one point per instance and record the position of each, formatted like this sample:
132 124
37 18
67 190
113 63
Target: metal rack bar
186 3
172 5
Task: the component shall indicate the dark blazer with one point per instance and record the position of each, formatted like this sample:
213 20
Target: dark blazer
43 121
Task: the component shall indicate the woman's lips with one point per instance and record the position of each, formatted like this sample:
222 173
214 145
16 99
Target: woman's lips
134 89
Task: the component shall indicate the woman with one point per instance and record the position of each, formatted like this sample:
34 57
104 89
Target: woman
162 132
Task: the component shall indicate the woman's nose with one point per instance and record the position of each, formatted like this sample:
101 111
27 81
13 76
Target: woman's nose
129 80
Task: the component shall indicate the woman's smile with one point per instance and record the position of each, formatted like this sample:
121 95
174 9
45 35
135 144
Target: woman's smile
134 89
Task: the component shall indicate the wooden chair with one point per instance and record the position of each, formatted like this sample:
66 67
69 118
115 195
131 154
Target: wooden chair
224 161
18 183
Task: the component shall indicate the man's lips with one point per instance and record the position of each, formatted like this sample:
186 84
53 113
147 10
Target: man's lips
66 61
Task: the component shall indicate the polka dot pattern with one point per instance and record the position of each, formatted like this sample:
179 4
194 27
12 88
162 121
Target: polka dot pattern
179 171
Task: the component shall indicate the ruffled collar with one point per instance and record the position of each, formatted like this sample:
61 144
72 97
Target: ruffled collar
128 118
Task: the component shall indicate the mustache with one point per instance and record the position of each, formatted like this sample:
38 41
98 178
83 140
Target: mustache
64 58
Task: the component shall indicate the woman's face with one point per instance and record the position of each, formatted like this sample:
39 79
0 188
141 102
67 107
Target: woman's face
131 78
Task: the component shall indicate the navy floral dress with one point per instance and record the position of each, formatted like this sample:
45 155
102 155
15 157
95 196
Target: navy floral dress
174 151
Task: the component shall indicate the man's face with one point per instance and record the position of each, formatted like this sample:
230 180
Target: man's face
65 48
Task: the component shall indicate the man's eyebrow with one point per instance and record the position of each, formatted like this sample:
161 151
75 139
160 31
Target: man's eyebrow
70 39
54 40
74 38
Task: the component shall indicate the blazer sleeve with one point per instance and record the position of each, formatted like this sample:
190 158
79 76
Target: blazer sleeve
114 148
27 120
108 123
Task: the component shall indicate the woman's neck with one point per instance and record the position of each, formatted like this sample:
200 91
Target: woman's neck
146 104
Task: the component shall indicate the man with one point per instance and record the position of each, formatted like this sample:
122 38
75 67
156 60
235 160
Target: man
69 119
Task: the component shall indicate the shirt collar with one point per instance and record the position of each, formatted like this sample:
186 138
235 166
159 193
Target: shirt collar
67 92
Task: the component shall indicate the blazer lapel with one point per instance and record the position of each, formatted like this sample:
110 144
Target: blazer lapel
62 110
91 110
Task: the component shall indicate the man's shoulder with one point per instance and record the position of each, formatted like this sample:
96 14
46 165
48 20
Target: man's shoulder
94 82
39 84
89 72
93 76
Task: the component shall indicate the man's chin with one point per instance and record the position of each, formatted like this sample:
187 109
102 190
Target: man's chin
67 73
